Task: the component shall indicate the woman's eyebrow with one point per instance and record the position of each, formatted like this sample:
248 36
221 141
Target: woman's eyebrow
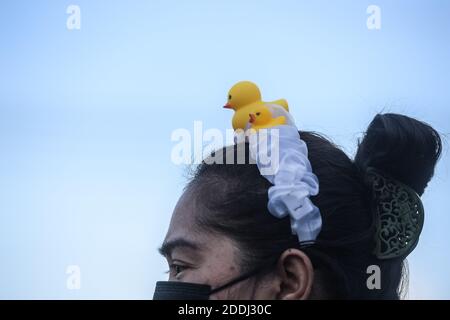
168 246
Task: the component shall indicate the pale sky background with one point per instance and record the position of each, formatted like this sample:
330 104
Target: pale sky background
86 117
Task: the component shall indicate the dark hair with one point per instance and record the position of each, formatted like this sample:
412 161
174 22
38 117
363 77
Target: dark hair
235 196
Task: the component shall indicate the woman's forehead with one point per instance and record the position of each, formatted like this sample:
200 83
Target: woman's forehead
184 225
183 222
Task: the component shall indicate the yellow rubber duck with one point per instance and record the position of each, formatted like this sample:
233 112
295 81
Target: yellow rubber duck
243 97
261 117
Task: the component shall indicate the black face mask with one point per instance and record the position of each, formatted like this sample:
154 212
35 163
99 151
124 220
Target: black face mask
177 290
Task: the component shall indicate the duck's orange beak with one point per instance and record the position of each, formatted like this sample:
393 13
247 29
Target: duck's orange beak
228 106
252 117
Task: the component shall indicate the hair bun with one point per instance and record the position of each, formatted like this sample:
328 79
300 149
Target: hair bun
402 147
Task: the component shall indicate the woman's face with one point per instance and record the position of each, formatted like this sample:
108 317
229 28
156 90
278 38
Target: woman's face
197 256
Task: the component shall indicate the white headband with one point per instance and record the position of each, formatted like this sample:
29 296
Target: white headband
292 178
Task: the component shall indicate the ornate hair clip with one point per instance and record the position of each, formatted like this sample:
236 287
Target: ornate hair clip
398 214
281 156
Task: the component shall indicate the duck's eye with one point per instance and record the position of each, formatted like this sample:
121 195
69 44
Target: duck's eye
258 113
229 97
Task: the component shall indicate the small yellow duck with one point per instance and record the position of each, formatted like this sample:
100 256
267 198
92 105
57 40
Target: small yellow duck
261 117
243 97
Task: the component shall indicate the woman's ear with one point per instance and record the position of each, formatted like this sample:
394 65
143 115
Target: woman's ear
295 275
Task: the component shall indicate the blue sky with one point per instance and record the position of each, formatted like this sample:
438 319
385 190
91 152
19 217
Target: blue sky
86 117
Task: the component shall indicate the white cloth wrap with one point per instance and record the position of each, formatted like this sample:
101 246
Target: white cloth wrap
292 178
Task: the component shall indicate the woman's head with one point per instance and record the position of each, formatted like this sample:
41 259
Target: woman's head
221 227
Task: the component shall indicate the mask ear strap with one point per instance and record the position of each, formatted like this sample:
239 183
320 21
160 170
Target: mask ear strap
243 277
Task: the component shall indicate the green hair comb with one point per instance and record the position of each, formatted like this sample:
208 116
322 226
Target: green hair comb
398 214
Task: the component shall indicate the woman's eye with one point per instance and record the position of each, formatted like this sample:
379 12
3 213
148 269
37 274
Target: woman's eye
176 269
